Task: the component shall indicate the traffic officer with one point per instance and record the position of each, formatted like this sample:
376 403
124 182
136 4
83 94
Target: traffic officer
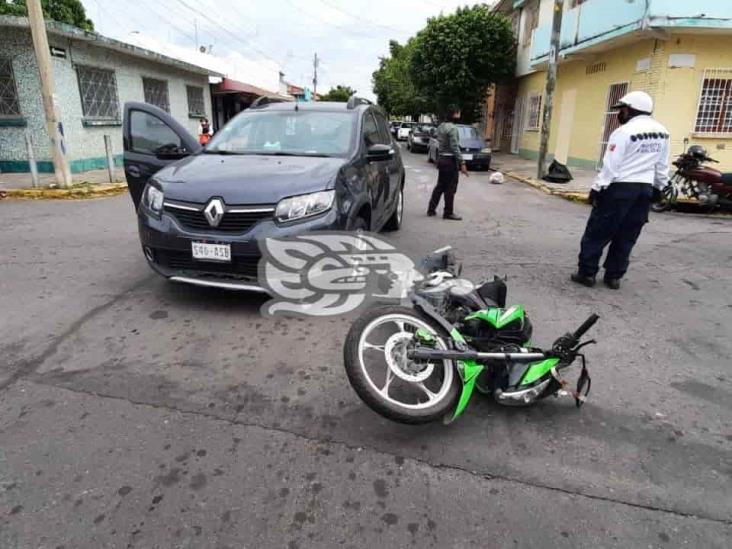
634 170
449 164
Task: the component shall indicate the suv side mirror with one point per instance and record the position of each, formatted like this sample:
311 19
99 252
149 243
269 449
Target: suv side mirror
171 152
379 151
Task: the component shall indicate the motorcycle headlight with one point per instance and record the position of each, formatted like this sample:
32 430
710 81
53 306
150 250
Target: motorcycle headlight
304 205
486 150
152 197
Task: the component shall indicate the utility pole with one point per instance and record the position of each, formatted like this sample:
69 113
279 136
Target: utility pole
551 84
315 76
45 70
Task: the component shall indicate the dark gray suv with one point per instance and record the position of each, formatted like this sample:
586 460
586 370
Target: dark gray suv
276 169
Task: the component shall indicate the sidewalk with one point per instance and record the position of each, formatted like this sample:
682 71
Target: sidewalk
23 180
525 170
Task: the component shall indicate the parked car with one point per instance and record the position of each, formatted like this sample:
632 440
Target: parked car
476 151
419 138
274 170
404 129
394 127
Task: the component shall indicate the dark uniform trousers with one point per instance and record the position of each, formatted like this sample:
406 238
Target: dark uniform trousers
447 181
617 219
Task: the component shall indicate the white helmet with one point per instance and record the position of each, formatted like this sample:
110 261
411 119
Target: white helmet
638 100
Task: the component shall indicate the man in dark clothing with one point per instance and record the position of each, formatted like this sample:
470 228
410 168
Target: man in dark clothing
634 169
449 164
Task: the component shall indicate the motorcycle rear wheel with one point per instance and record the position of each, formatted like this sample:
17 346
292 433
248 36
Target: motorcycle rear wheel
435 387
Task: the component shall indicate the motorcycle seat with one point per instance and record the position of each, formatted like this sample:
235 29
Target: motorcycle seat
727 179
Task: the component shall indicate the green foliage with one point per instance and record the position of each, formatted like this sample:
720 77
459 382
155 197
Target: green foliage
65 11
457 57
340 93
394 88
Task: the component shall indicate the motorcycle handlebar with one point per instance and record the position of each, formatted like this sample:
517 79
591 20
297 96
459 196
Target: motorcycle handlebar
707 159
586 325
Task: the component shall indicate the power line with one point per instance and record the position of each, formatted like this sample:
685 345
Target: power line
227 31
361 19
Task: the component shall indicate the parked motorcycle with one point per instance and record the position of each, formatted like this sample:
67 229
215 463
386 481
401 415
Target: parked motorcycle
420 363
708 186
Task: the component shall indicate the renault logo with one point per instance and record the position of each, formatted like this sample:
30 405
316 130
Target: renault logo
214 212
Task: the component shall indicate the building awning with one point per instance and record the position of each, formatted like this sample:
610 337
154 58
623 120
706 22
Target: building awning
228 85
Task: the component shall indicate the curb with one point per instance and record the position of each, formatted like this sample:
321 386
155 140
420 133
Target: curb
82 191
572 196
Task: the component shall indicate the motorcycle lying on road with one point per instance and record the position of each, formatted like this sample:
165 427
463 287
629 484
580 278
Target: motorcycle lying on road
421 363
706 185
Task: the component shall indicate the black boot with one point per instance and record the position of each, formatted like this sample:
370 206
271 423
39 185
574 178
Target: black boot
612 283
452 216
431 213
585 280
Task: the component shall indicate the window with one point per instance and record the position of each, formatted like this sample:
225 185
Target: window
149 134
533 121
9 106
714 115
370 131
156 93
196 107
98 89
384 135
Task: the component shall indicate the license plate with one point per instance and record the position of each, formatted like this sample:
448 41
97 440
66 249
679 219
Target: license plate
211 252
467 157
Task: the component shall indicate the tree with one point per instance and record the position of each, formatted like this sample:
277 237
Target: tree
457 57
393 86
65 11
340 93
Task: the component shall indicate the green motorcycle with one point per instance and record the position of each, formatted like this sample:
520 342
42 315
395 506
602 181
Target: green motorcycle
422 363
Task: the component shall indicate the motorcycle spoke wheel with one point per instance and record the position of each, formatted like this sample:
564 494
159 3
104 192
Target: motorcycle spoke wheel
394 377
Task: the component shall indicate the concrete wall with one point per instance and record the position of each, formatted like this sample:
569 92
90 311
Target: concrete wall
85 145
675 90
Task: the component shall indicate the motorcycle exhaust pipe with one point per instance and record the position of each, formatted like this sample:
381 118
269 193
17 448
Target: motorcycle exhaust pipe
523 397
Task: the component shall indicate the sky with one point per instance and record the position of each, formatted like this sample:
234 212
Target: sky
252 40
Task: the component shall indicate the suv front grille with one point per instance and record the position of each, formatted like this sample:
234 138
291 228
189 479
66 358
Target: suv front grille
231 222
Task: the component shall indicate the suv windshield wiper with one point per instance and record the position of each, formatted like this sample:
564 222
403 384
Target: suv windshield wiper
284 153
213 151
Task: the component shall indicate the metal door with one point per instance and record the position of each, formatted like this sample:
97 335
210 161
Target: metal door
610 118
518 125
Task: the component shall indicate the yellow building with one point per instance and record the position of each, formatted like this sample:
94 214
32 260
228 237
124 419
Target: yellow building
609 47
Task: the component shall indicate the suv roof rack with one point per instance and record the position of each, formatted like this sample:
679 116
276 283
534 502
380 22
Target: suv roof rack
354 101
266 100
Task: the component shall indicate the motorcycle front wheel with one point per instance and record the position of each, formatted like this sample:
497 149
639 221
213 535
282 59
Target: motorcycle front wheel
669 194
386 380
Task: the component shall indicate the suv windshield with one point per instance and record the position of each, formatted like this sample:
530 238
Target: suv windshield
467 133
296 133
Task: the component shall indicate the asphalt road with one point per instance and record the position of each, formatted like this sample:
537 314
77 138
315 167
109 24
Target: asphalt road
137 413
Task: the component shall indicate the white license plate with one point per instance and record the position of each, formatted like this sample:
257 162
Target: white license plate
211 252
467 157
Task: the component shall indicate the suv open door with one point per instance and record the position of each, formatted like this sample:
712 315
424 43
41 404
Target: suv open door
151 139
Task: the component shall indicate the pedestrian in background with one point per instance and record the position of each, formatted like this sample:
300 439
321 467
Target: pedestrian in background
450 164
634 170
204 131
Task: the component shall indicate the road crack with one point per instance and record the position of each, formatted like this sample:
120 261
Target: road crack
29 366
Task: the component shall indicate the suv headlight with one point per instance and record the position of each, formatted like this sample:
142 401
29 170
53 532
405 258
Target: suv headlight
486 150
152 197
304 205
